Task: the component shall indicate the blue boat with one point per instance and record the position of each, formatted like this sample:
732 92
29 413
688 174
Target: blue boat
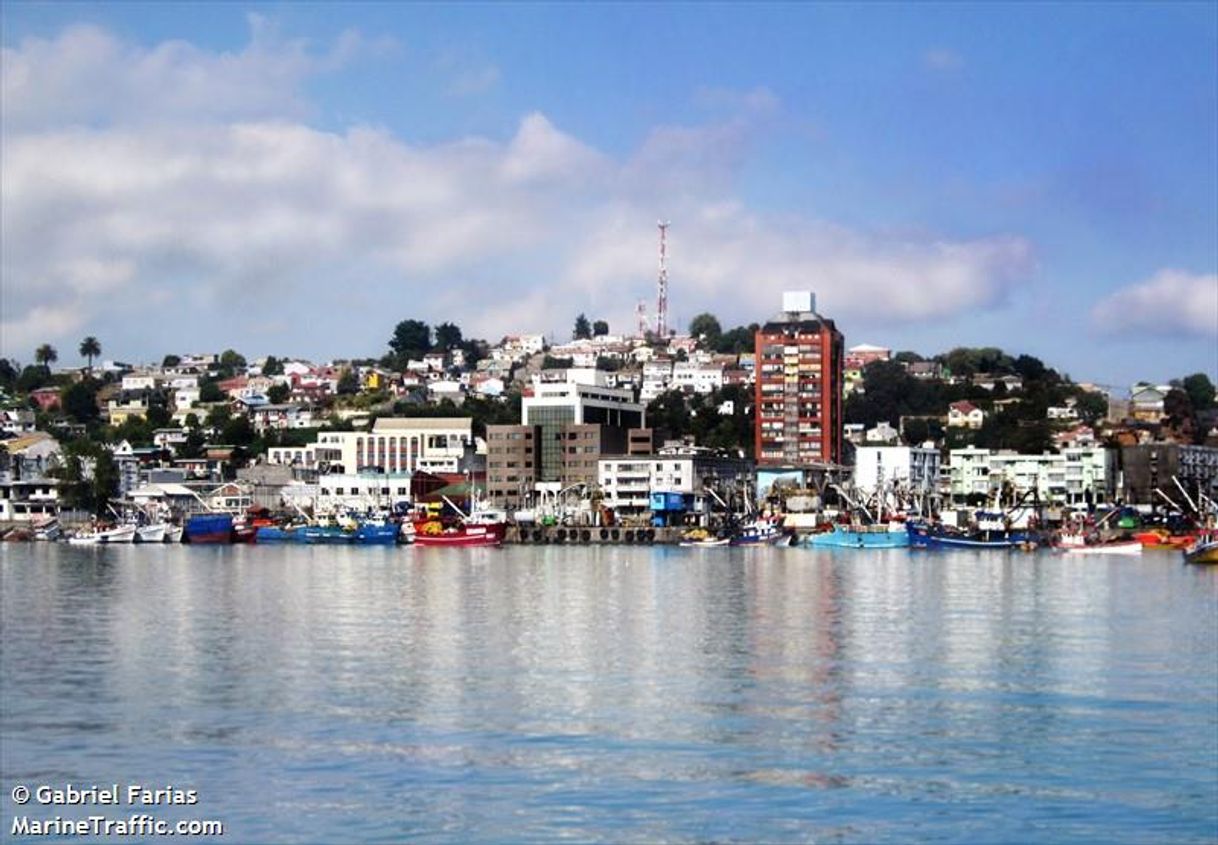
325 534
860 537
277 534
377 533
926 536
209 528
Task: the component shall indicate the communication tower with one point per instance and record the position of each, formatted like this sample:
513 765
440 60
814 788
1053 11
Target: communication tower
662 283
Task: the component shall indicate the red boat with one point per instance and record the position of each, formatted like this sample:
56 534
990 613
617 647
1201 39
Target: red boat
433 533
245 527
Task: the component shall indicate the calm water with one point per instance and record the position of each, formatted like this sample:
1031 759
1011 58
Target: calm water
619 694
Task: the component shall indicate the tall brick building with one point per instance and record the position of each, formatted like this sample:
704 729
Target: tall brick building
799 360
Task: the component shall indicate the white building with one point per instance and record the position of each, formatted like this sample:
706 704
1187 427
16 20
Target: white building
912 468
964 415
700 378
628 481
395 444
573 402
363 491
1065 478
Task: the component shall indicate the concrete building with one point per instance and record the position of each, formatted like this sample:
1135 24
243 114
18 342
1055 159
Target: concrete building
913 468
798 395
395 444
1078 476
627 482
565 428
1147 467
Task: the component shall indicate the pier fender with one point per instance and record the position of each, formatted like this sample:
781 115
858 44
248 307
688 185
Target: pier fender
561 535
629 536
585 535
604 533
537 535
615 534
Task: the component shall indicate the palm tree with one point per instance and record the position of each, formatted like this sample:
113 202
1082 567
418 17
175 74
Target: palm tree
90 348
46 355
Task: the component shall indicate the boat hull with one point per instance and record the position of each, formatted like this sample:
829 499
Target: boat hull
1133 547
150 533
469 535
210 528
926 537
846 538
1204 553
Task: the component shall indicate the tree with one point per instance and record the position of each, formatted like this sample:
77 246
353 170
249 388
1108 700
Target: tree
411 338
46 355
738 340
8 374
279 393
272 367
90 348
600 328
448 336
32 378
1200 390
583 329
105 480
171 361
706 328
348 383
80 401
209 391
907 356
231 360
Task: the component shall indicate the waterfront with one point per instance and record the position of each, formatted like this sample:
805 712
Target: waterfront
620 694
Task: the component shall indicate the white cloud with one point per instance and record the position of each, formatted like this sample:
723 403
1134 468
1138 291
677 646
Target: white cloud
88 76
242 202
942 59
1172 302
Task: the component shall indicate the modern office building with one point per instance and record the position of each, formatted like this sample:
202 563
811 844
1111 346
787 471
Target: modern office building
799 371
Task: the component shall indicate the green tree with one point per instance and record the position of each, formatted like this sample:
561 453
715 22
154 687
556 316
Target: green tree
411 338
105 480
706 327
171 361
583 329
90 348
8 374
272 367
32 378
1091 406
238 432
1200 390
279 393
738 340
600 328
348 383
80 401
209 391
907 356
46 355
230 361
448 336
549 362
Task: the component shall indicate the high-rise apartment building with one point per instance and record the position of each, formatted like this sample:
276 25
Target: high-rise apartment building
798 396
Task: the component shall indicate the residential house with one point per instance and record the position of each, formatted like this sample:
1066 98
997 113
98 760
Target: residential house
47 398
964 415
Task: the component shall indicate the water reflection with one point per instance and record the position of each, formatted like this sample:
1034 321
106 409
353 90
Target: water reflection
622 694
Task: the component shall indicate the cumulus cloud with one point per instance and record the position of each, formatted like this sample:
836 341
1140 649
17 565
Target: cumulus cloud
106 213
86 75
1170 303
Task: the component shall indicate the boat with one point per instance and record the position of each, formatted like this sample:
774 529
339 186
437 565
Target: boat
1160 539
245 527
1111 547
434 533
924 535
760 532
173 532
210 528
701 538
151 533
101 535
1204 550
376 533
857 536
47 528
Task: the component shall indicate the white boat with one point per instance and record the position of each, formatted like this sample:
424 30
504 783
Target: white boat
47 529
154 533
173 533
105 536
1076 544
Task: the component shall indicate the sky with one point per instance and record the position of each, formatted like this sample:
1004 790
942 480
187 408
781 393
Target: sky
295 179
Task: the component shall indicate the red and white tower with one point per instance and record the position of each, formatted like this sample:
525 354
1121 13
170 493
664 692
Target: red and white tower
662 284
640 313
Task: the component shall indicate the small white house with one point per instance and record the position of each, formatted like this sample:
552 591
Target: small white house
964 415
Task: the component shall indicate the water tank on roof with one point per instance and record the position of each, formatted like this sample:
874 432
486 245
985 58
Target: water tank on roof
798 301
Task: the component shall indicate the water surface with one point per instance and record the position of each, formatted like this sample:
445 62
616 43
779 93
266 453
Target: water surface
620 694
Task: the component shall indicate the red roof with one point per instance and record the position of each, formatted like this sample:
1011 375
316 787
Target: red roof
964 407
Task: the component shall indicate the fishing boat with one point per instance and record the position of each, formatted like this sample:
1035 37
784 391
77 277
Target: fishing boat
173 532
47 528
209 528
100 535
1077 544
856 536
1205 550
376 533
924 535
701 538
151 533
434 533
760 532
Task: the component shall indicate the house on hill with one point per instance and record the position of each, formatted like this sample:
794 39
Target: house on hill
964 415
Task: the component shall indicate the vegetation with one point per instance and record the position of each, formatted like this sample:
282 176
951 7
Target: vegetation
583 329
46 355
677 415
171 361
272 366
600 328
90 348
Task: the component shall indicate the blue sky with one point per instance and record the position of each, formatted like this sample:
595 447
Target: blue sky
295 179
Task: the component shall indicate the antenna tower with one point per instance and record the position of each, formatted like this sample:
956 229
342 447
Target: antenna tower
640 313
662 283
